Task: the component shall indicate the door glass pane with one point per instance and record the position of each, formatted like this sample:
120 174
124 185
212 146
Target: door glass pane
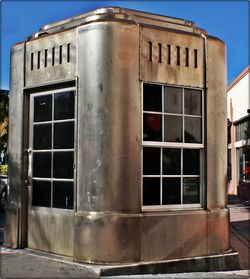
192 101
151 160
171 161
42 136
191 161
41 193
171 191
43 108
173 100
152 130
151 191
191 187
152 97
64 135
64 105
192 129
63 165
172 128
42 164
63 194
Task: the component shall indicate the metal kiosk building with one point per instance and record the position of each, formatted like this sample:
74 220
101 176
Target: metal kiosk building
118 140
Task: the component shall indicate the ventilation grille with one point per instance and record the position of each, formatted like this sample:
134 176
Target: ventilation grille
50 57
172 55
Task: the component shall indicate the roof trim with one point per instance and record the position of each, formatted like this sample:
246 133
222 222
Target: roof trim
239 77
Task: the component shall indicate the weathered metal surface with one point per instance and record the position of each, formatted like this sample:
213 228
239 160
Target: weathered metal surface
51 230
15 146
51 58
216 133
165 69
109 118
107 237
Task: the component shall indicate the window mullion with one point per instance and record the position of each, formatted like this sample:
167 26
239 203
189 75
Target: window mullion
161 157
52 151
181 175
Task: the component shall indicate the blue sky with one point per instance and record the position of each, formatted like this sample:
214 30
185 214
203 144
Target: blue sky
228 20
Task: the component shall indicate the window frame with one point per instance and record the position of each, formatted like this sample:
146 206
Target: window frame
32 151
180 145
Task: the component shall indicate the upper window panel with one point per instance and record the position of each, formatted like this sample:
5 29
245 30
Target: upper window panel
43 108
64 106
192 102
152 97
173 100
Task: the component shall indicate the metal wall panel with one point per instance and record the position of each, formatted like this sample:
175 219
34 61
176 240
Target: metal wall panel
43 61
160 70
216 125
49 229
15 148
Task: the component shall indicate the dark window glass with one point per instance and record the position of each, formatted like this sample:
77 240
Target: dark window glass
173 100
152 130
43 108
192 129
191 190
42 164
63 194
41 193
192 101
64 105
63 165
151 160
152 97
64 135
151 191
172 128
171 161
42 136
191 161
171 191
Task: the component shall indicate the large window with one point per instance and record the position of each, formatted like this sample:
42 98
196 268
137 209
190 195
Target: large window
52 145
243 130
172 146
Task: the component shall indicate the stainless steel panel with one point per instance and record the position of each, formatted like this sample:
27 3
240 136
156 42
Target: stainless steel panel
39 66
107 237
15 148
216 125
218 231
51 230
173 235
109 132
162 72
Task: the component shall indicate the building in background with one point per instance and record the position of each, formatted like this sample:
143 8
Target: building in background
238 111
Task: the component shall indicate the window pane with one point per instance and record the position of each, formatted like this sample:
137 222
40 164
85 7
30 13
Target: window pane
151 191
42 164
173 100
152 97
64 135
63 165
172 128
64 105
192 129
43 108
63 194
192 101
42 136
191 161
152 130
171 161
191 190
171 191
41 193
151 160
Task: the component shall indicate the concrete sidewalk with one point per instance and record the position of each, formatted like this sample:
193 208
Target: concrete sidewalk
32 264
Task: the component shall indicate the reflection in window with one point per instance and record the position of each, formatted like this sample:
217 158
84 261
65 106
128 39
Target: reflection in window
42 136
152 129
171 191
43 108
